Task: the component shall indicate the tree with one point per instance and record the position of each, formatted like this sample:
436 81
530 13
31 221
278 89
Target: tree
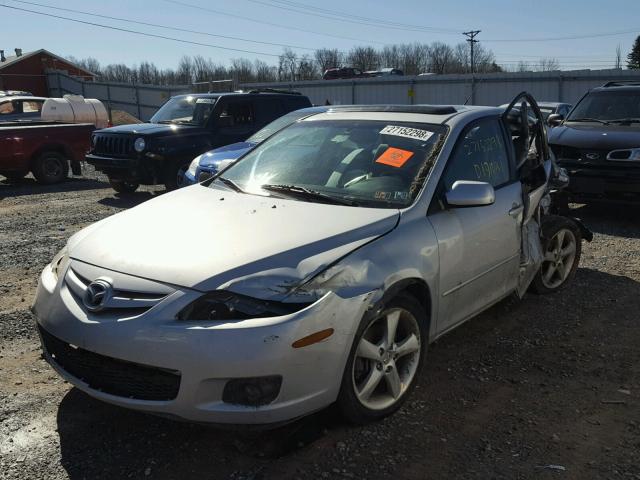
287 65
618 57
363 58
548 65
327 58
633 59
306 68
441 58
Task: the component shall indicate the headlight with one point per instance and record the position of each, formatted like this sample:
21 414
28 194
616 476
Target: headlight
57 260
232 306
194 166
139 145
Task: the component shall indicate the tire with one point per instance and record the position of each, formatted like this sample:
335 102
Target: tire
123 186
174 175
50 167
372 363
562 247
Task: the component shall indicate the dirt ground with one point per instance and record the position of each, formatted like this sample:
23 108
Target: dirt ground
544 388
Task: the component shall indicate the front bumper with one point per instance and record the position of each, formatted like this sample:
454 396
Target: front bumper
208 354
603 181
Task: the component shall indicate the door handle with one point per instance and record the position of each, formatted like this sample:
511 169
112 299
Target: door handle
516 209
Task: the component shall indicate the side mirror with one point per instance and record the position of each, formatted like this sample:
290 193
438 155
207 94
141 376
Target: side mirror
467 193
555 119
204 176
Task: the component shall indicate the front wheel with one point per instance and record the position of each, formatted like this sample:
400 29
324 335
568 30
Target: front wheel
174 176
384 362
562 247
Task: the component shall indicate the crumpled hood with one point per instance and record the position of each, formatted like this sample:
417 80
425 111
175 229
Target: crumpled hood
229 152
596 137
204 238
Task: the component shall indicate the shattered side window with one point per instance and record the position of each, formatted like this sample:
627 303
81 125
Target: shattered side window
480 155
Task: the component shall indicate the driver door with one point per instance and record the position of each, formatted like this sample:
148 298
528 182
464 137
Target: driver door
479 247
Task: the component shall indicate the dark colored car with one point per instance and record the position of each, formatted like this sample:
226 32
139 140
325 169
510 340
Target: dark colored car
210 162
551 108
342 73
599 143
15 108
45 148
159 152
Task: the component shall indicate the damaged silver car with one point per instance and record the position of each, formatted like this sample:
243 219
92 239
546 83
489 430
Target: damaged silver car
316 269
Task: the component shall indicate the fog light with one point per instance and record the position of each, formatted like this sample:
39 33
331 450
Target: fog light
252 392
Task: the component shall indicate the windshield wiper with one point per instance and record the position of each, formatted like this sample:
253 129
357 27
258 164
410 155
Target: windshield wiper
303 192
625 120
604 122
230 183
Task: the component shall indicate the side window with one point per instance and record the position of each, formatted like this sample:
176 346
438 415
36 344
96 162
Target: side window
31 107
241 113
267 109
480 155
6 108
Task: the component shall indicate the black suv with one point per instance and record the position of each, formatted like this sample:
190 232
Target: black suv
599 143
160 151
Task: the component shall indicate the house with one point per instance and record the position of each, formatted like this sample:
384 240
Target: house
27 71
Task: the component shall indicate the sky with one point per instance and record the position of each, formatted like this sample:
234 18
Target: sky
513 29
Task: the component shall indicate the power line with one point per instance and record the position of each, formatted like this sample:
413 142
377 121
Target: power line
177 29
571 37
153 35
355 19
262 22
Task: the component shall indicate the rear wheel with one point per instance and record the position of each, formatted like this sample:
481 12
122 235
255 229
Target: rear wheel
174 175
384 362
50 167
562 247
123 186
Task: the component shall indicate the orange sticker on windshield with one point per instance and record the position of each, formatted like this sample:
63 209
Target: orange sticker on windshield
394 157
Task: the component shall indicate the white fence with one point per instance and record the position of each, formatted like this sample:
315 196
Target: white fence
141 101
480 89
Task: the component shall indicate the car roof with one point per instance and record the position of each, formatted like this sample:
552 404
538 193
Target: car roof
21 97
249 93
434 114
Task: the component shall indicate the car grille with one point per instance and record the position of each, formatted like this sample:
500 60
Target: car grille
110 375
118 145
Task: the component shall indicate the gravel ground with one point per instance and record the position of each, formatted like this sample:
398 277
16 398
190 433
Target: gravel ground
548 387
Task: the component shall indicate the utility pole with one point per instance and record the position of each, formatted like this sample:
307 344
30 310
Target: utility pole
472 41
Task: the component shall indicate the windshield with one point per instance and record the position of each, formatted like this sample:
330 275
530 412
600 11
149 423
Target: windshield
608 105
185 110
366 163
278 124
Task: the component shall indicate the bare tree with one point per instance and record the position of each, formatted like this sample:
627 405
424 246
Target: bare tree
327 58
548 65
523 66
389 57
264 72
363 58
241 70
618 57
287 65
441 57
306 68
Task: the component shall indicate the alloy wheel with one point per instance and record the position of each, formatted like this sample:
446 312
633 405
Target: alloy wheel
386 359
558 258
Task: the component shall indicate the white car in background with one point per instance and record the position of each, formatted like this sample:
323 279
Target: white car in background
315 269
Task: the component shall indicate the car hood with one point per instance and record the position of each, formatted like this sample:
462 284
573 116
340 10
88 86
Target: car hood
151 129
229 152
596 136
208 238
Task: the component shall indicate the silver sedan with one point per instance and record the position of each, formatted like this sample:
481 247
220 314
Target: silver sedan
316 269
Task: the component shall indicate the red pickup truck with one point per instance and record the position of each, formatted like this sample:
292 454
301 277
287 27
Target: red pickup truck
46 149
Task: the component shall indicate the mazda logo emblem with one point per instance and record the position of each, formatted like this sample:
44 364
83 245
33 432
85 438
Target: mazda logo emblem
593 156
96 295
